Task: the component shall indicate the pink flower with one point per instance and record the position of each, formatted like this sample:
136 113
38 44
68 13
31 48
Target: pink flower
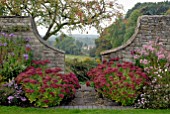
46 101
161 56
136 57
87 83
54 85
145 61
29 91
61 96
52 94
48 78
42 90
150 48
26 80
33 81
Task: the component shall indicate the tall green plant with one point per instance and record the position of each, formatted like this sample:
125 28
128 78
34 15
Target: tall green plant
15 55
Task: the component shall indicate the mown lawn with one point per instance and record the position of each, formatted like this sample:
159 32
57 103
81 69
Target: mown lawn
19 110
78 57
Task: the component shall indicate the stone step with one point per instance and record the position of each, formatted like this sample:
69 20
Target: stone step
87 96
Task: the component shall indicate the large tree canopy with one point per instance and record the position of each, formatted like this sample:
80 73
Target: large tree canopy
58 14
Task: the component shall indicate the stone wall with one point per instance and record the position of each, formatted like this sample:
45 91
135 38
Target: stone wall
149 28
25 27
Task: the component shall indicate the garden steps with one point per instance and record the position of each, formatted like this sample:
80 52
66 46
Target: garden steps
87 98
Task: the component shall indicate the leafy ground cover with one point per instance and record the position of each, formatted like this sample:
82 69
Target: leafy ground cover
18 110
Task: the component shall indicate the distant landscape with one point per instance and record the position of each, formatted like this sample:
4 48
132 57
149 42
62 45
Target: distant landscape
85 39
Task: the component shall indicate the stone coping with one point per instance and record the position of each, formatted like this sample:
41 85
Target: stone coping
126 44
40 38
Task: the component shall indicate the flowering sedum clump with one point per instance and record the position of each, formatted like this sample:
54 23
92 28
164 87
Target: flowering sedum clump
118 81
155 60
46 87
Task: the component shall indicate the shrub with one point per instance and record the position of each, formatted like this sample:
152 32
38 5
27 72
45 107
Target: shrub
118 81
80 68
14 56
156 63
12 94
46 86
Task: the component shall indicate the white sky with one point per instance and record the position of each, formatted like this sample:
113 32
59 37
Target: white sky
127 4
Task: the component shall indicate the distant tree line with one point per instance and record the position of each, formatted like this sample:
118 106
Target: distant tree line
69 45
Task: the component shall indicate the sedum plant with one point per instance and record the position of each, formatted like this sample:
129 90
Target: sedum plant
46 87
118 81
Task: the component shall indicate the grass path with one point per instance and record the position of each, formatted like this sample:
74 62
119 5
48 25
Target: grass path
19 110
78 57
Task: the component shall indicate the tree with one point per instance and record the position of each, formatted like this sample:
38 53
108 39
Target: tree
58 14
1 10
167 12
131 24
68 44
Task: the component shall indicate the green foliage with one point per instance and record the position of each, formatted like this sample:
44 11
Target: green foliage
1 10
5 92
15 56
137 6
131 24
155 61
150 8
46 87
101 45
118 81
80 68
167 12
69 45
92 52
58 14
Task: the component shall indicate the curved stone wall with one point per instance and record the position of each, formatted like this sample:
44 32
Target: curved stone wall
25 27
148 28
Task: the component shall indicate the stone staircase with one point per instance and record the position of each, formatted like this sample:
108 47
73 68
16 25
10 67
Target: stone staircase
87 96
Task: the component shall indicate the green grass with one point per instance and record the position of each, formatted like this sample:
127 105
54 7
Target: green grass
78 57
19 110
